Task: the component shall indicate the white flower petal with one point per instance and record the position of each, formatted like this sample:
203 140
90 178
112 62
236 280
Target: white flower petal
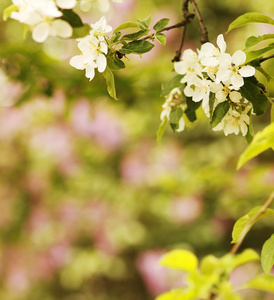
221 43
247 71
66 4
62 28
101 62
78 62
237 80
90 72
181 125
235 96
41 32
239 58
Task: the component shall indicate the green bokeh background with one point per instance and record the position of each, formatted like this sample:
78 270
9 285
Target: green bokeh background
89 200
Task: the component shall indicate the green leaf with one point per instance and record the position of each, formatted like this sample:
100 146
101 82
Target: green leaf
191 115
171 84
253 40
243 225
110 82
114 63
161 38
8 11
134 36
144 24
192 106
162 129
125 25
253 93
261 142
137 47
252 55
161 24
115 37
262 282
219 113
175 115
251 17
72 18
180 259
272 113
246 256
267 255
79 32
209 264
175 294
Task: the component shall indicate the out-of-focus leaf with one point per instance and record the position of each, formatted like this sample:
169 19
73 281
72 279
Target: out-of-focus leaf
171 84
110 82
246 256
79 32
72 18
8 11
261 142
175 115
243 224
180 259
161 24
262 282
251 17
176 294
162 129
267 255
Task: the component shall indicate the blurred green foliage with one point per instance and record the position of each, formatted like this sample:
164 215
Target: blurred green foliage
89 201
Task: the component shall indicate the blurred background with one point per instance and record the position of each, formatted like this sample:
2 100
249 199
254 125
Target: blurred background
88 200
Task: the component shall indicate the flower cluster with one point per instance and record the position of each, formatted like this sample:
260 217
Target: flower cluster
212 76
43 17
94 48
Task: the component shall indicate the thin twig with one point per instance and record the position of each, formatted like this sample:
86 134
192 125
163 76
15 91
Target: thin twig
204 32
263 209
266 58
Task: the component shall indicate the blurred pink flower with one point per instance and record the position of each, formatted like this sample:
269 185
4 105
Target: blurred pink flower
185 210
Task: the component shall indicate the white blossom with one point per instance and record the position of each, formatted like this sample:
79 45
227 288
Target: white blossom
101 28
232 69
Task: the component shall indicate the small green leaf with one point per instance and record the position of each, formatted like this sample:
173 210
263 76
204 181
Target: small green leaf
267 255
162 129
8 11
209 264
110 82
246 256
134 36
261 142
262 282
180 259
191 115
252 55
253 40
175 115
171 84
161 24
253 94
125 25
192 106
114 63
137 47
219 113
115 37
251 17
72 18
161 38
243 224
144 24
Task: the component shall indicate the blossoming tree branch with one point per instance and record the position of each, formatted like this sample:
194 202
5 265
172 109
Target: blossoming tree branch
223 85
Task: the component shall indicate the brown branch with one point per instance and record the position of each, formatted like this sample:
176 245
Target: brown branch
187 17
266 58
248 225
204 32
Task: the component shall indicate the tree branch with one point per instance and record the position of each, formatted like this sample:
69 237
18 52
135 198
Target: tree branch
266 58
204 32
263 209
